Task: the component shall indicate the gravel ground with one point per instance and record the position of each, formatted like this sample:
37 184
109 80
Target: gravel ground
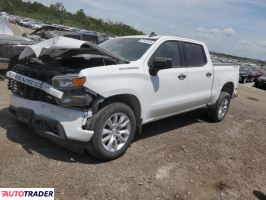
182 157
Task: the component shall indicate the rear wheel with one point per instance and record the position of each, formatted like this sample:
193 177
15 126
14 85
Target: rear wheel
114 129
220 109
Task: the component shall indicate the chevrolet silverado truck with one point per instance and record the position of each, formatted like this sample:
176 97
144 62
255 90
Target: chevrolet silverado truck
97 97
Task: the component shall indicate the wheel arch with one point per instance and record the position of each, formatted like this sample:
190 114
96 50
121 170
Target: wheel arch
129 99
229 88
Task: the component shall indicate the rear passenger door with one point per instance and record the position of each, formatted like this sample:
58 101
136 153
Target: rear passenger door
200 74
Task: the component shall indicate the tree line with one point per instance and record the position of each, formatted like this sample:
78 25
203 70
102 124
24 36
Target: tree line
56 13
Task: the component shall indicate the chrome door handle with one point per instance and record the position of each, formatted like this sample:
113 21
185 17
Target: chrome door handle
209 74
182 76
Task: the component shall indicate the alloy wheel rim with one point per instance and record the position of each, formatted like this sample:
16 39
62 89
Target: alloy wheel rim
223 108
116 131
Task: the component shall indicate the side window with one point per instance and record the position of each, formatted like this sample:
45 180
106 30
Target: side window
194 55
171 50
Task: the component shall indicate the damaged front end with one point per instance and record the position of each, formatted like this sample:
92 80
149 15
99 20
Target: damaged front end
57 69
49 95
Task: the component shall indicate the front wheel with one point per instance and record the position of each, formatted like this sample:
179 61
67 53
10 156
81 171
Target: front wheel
220 109
114 129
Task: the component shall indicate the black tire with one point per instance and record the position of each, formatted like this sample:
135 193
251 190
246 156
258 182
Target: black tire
213 113
95 146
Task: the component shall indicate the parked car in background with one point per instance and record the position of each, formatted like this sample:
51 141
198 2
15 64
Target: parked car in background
244 74
29 23
51 31
10 48
3 14
40 34
256 71
97 96
260 82
44 31
36 25
249 73
24 23
89 36
218 60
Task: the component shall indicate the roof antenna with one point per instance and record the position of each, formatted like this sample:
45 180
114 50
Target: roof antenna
152 34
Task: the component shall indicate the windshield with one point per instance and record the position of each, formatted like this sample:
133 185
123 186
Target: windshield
129 48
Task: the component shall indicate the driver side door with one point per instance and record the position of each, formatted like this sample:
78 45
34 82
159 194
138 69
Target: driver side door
166 92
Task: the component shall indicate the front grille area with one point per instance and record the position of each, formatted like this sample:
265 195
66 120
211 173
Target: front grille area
26 91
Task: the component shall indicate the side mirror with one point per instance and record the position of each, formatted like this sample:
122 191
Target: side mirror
160 63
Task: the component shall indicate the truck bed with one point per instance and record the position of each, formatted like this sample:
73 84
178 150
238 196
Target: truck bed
223 73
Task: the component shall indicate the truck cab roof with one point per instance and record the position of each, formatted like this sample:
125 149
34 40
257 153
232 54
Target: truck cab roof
161 37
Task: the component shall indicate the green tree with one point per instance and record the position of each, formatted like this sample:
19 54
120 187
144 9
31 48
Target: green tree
80 14
59 8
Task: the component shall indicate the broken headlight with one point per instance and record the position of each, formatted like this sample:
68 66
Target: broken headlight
68 81
74 93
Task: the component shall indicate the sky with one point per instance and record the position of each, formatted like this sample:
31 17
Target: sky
235 27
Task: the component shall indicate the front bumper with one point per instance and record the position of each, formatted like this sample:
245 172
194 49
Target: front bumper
51 121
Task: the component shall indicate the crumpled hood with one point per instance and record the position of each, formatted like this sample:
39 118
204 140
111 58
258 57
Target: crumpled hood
62 46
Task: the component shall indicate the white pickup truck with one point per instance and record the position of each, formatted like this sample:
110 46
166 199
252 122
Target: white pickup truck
96 97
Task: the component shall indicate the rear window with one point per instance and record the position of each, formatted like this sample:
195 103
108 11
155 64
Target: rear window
194 55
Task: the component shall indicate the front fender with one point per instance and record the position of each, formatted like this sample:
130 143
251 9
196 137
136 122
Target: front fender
110 81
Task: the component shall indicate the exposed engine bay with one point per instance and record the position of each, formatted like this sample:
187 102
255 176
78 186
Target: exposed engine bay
58 67
46 67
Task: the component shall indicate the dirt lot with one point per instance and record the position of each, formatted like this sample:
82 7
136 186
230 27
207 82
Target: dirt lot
183 157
